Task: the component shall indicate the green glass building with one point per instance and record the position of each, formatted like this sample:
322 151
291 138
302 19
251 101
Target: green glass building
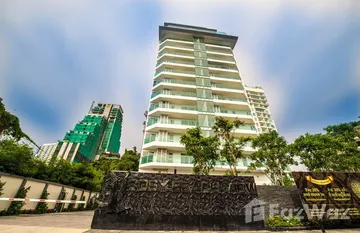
97 133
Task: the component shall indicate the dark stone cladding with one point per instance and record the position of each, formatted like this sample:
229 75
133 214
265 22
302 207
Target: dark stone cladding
150 201
284 196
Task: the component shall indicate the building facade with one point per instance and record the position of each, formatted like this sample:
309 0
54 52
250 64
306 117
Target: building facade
196 79
260 109
46 151
99 132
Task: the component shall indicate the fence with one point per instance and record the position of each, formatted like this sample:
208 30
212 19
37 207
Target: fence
14 183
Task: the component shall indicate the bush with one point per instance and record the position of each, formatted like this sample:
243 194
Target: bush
71 206
42 207
59 206
81 206
15 206
278 221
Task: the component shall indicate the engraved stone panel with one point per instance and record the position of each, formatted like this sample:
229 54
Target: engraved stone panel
150 201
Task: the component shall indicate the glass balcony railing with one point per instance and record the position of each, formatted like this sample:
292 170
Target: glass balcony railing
176 62
179 93
235 112
220 97
174 81
224 76
174 71
210 49
226 86
247 127
175 53
154 120
170 138
228 59
222 67
173 106
180 40
176 46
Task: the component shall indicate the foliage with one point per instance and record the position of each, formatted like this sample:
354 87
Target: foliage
271 154
71 206
15 206
287 221
204 150
327 152
1 187
129 161
10 125
232 148
59 206
42 207
18 158
345 130
81 206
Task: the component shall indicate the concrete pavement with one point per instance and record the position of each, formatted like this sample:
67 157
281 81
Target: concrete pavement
72 222
79 222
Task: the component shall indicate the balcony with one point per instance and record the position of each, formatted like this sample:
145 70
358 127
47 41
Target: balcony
176 53
175 62
173 106
226 86
174 71
186 122
235 112
174 81
214 50
225 77
221 97
175 45
223 67
174 93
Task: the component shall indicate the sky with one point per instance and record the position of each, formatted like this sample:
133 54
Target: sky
57 56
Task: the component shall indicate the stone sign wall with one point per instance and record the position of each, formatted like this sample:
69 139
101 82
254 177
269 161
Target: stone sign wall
148 201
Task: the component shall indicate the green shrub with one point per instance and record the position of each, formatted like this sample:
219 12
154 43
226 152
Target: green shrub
59 206
42 207
81 206
287 221
71 206
15 206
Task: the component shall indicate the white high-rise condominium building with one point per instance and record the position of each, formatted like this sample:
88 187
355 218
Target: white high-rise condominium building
196 79
46 151
260 109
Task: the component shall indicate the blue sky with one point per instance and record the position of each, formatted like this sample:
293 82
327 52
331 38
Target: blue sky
56 57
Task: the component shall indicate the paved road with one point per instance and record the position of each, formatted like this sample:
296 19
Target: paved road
79 222
74 222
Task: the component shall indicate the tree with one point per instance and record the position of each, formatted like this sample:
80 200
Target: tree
232 148
272 154
10 125
16 158
327 152
203 150
129 161
345 130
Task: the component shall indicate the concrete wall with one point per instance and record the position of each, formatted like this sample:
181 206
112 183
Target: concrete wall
10 189
14 183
